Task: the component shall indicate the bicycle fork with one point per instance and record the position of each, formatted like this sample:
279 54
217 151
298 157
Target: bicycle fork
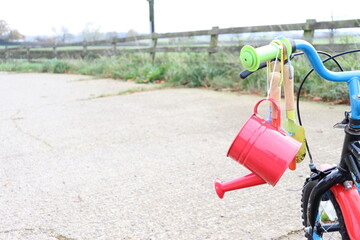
345 192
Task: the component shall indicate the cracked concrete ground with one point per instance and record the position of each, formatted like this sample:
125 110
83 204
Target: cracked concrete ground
138 166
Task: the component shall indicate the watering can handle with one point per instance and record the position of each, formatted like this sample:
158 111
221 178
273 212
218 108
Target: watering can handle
277 123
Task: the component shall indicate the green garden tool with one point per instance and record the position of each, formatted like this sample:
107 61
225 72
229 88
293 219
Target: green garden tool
296 131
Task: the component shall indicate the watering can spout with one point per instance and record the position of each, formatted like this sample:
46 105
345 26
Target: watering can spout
242 182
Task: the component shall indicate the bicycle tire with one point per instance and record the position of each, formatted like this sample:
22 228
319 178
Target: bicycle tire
307 188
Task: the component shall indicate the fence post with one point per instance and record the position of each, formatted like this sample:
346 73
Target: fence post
113 43
153 46
54 51
84 48
28 54
214 34
6 54
309 30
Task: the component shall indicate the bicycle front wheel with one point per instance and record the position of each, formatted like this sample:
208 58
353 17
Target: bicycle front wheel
329 223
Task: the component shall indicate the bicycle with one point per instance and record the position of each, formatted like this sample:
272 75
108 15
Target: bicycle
330 199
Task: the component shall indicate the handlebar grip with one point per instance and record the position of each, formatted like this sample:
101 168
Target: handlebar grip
251 58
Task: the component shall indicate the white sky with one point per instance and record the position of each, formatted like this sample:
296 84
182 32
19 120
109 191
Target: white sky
39 17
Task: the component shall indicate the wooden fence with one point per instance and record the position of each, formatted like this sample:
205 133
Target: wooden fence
113 47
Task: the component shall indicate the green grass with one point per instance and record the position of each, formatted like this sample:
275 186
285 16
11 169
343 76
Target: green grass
347 39
220 71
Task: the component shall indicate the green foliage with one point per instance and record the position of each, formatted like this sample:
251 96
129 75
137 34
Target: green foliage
325 218
315 86
20 66
150 73
195 70
56 66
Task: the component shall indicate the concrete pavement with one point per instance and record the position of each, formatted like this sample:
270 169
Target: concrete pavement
139 166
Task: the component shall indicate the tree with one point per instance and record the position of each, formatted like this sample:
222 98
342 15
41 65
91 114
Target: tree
15 35
111 35
8 34
63 34
91 32
43 39
131 33
4 29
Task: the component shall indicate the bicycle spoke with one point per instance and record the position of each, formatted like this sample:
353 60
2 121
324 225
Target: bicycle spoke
331 227
328 226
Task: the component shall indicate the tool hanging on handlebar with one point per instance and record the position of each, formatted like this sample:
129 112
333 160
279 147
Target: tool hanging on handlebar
296 131
274 80
285 73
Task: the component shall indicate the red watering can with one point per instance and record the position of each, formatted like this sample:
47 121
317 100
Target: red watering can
264 149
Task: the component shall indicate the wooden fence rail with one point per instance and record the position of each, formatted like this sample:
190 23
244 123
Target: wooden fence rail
112 47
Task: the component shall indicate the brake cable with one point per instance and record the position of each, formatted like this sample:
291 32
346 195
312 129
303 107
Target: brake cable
308 74
299 92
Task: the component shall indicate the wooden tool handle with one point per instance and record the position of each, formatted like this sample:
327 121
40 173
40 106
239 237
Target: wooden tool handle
289 88
277 66
275 91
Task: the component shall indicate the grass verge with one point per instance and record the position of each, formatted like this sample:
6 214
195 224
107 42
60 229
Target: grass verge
220 71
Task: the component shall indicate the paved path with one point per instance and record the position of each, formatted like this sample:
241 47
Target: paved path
138 166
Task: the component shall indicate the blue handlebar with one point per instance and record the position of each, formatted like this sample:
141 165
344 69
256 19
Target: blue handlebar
318 66
351 77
